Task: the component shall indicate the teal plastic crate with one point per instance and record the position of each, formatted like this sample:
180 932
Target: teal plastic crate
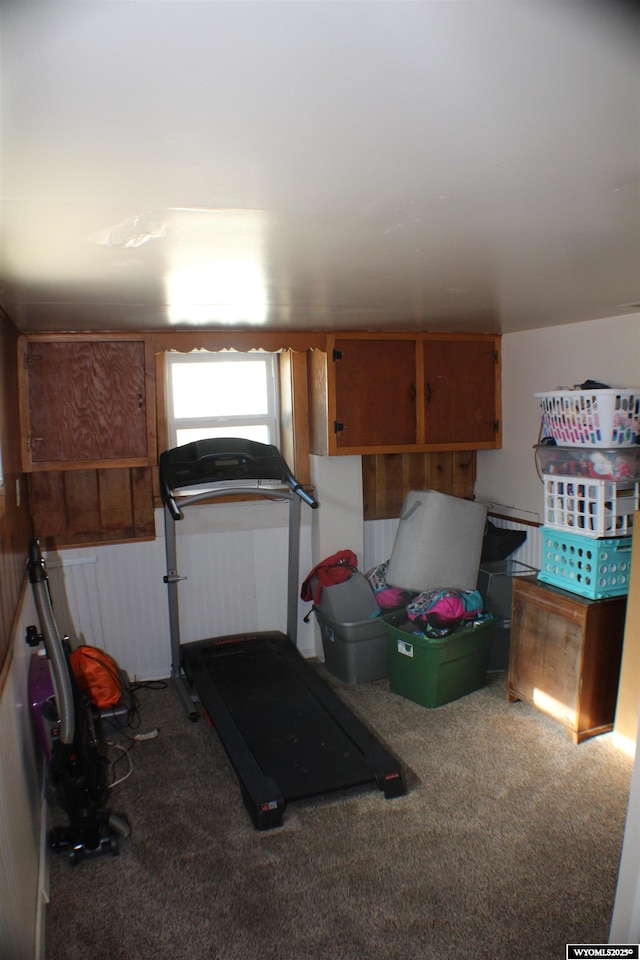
595 569
435 671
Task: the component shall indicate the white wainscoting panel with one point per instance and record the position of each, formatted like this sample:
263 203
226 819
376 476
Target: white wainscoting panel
219 594
531 550
74 587
114 596
379 536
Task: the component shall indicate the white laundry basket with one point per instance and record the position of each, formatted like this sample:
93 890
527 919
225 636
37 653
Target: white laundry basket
592 418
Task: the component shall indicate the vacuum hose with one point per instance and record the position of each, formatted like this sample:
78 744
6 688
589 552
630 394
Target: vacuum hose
53 643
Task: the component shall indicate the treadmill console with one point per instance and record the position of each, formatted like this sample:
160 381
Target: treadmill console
232 461
220 460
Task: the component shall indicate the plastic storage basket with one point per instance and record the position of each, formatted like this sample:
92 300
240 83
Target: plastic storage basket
621 464
595 569
595 508
355 652
592 418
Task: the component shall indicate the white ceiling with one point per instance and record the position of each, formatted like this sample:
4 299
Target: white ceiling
463 165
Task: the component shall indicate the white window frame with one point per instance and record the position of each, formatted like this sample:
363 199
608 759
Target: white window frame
271 419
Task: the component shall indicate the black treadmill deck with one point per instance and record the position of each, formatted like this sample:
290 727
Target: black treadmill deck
286 733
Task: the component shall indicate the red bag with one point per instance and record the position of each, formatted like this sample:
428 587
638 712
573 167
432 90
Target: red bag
97 675
337 568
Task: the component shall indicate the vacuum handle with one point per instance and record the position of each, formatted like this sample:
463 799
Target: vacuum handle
60 670
35 563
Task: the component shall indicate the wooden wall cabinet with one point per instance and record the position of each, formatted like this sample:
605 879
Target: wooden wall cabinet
565 654
86 402
405 393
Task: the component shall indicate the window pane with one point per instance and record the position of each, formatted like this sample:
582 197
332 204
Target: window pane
259 432
220 389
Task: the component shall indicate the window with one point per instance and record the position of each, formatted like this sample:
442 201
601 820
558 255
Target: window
222 395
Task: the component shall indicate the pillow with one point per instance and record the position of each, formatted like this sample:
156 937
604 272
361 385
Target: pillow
499 543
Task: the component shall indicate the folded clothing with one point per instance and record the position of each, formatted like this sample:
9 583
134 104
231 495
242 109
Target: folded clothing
437 612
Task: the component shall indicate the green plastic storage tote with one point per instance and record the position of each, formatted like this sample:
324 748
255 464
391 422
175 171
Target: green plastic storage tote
435 671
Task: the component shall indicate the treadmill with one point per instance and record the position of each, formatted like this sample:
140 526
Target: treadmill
286 733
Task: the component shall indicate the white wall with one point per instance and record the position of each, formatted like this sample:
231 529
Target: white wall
23 876
625 922
337 524
536 361
539 360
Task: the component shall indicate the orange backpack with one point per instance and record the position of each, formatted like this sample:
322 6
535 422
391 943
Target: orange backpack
97 675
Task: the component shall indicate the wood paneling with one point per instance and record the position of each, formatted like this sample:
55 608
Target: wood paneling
387 477
15 524
294 413
81 507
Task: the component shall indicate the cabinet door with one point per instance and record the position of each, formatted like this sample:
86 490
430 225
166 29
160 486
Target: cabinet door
375 388
460 391
85 402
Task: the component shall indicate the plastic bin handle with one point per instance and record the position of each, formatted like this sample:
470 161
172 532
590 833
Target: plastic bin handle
411 511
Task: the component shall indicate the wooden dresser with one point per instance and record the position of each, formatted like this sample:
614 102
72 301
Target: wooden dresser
565 654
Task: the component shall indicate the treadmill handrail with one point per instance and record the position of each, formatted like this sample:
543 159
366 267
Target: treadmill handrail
212 493
300 491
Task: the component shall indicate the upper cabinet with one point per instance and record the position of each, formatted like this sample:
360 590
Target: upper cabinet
86 402
462 391
402 393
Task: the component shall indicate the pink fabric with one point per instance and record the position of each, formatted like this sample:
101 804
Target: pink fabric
391 597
